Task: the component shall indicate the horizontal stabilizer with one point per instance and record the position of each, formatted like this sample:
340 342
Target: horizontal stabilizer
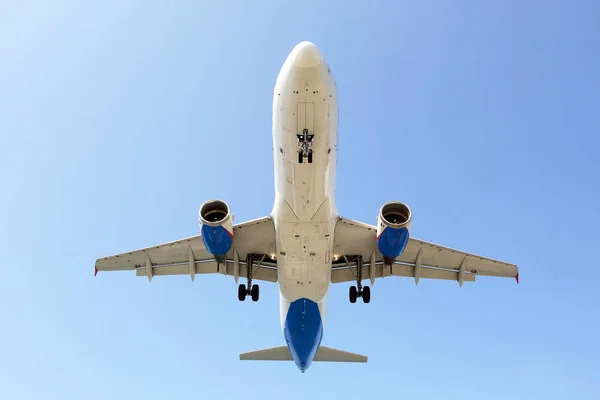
333 355
282 353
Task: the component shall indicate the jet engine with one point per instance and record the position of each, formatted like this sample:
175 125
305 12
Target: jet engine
393 230
216 228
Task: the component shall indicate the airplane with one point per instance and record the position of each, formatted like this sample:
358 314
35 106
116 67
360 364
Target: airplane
305 245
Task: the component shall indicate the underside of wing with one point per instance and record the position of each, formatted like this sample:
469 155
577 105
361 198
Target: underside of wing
356 247
252 244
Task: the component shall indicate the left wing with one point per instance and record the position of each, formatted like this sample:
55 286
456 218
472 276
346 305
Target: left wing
419 259
253 244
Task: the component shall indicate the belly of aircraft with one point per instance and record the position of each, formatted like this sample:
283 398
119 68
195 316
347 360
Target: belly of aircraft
306 211
304 118
304 263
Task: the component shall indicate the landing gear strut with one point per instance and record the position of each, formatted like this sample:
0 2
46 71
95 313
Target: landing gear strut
251 290
359 290
305 141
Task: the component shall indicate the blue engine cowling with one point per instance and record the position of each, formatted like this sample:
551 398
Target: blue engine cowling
217 228
393 229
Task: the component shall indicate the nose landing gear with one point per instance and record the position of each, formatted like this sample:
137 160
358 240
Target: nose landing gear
305 141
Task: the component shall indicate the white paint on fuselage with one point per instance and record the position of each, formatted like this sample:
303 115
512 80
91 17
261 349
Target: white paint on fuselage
304 212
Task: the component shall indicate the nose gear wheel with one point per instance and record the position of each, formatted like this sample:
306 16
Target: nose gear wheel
305 142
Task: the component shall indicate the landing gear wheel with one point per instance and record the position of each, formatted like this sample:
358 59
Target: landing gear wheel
310 156
254 292
242 292
353 294
300 156
366 294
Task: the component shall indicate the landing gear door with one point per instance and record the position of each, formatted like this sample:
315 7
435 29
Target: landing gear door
306 118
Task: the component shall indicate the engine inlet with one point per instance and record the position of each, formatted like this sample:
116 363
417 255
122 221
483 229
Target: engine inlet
396 214
213 212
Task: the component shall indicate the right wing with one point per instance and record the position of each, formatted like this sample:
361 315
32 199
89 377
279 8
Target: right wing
253 244
420 259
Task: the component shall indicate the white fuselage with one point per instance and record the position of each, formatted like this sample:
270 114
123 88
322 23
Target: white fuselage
304 213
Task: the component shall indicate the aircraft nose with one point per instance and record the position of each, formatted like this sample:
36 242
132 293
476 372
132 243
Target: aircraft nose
306 55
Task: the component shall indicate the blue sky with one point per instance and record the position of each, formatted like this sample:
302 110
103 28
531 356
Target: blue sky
118 119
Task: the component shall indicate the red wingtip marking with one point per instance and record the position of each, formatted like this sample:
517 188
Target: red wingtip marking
95 271
517 278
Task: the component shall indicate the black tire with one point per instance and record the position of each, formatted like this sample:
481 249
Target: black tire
310 156
242 292
254 292
300 156
366 295
353 294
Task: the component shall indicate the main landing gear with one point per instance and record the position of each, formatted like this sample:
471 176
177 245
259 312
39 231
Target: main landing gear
249 290
305 141
359 290
243 292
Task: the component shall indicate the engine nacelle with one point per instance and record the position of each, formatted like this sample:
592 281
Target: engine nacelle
393 229
216 228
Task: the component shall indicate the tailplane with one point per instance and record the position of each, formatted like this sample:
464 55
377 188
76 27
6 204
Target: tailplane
324 354
281 353
334 355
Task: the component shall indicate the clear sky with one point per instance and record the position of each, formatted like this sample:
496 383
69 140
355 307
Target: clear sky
119 118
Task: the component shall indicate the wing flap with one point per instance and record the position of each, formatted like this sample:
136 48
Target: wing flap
262 273
209 267
349 274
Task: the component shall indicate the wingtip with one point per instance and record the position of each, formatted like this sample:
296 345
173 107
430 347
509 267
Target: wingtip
95 271
517 278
